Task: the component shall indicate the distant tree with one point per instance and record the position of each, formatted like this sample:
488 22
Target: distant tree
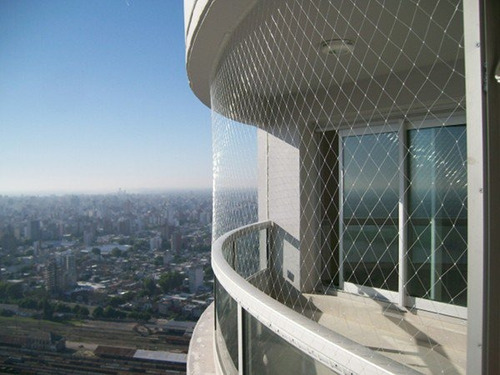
28 303
84 276
76 309
8 242
137 315
116 252
202 248
62 308
149 286
3 292
158 261
140 244
84 312
170 280
47 310
96 251
127 296
178 258
39 294
109 312
116 301
14 291
98 312
10 292
125 241
112 313
6 313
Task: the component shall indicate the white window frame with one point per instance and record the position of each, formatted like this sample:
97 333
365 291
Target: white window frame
399 297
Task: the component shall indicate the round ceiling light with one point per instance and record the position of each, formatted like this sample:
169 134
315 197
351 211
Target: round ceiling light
337 47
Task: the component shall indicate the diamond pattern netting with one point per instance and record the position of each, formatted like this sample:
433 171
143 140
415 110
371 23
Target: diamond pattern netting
359 160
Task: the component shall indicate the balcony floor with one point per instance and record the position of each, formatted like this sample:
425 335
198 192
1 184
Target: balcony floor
427 342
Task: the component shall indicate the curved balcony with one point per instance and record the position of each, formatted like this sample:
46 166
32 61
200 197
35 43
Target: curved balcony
345 334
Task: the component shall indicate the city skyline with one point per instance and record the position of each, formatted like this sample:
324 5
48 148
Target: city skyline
94 98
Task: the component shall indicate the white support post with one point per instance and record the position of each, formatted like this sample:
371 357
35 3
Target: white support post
402 217
475 186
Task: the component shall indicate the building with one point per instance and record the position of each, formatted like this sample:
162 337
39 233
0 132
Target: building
47 341
176 243
60 272
355 170
89 236
124 226
167 258
53 271
33 230
195 276
155 243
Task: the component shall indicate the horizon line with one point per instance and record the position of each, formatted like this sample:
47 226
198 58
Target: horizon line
40 193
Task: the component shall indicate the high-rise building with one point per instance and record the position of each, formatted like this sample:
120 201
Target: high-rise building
33 231
195 276
167 258
69 269
53 275
165 232
89 235
60 272
155 243
176 243
124 226
355 175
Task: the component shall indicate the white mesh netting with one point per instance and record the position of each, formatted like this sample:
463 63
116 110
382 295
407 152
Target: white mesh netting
343 123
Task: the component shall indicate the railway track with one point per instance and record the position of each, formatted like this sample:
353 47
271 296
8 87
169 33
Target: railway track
28 362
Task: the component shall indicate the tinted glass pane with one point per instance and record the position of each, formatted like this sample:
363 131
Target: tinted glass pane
267 353
437 225
227 325
370 209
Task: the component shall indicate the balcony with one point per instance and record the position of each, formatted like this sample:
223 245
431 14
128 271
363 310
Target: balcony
264 325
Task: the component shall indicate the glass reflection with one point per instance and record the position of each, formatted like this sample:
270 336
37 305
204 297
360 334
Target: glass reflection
437 225
227 325
370 209
267 353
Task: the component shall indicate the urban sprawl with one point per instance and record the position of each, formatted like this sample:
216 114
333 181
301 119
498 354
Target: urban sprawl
137 262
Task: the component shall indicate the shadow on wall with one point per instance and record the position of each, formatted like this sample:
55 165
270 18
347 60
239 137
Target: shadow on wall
283 274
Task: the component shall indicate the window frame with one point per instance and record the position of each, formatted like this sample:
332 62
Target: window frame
401 127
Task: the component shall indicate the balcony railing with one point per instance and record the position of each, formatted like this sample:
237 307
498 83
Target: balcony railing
256 334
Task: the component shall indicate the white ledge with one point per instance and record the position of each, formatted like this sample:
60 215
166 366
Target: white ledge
200 360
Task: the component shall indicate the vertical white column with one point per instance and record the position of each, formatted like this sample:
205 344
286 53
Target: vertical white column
475 186
402 217
263 193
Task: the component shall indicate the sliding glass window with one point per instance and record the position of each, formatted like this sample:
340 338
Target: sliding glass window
419 173
370 209
437 220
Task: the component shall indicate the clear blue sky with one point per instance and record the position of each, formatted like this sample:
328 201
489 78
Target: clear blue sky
94 97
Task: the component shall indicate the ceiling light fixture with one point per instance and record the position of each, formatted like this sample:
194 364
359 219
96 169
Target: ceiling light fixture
337 47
